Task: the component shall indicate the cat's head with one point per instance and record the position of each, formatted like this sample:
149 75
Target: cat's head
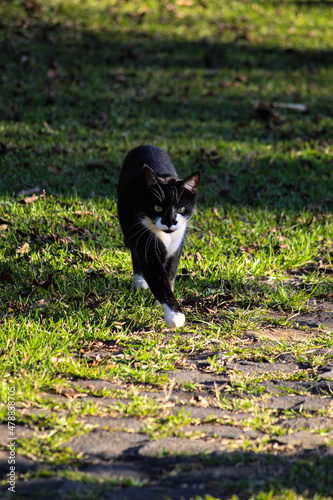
169 203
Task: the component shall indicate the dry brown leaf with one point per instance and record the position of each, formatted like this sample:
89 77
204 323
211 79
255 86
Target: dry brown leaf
69 392
216 212
40 304
81 213
324 267
199 400
54 169
29 199
22 249
56 360
52 73
26 404
198 257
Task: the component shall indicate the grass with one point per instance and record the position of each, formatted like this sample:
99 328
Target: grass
82 82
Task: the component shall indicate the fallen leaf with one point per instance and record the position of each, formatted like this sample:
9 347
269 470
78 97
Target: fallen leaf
81 213
40 304
54 169
52 73
85 256
325 267
242 78
199 400
29 199
26 404
25 248
216 212
69 392
198 257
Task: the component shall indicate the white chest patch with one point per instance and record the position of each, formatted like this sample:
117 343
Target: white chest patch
172 240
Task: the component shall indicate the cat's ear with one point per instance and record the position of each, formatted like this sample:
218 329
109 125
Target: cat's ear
150 177
191 183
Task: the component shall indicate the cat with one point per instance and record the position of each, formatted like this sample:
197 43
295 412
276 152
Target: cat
154 209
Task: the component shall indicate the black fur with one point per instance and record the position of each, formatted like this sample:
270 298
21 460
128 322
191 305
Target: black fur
148 179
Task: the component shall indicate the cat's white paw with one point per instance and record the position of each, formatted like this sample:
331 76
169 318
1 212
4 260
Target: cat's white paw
173 319
140 282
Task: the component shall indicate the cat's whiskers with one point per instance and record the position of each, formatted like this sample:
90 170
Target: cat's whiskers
159 194
148 244
157 248
144 230
137 232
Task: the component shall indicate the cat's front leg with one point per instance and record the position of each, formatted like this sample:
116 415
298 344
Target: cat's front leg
173 319
172 266
138 279
159 284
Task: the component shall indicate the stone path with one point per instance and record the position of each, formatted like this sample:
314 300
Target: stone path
226 438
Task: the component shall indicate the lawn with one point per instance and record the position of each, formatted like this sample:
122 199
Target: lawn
239 90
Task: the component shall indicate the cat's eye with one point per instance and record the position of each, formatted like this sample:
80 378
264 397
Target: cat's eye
181 210
157 208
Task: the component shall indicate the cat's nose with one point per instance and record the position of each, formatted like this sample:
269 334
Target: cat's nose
169 222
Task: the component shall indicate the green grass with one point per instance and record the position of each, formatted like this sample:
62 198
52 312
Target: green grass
82 82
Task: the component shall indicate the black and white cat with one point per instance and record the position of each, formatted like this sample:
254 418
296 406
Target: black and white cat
154 208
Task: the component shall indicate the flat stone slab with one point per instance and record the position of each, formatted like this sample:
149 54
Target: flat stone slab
20 431
327 374
183 492
22 464
196 377
97 400
209 413
302 423
98 385
304 439
116 424
107 444
287 334
107 471
319 387
220 431
46 489
179 446
297 403
316 319
252 367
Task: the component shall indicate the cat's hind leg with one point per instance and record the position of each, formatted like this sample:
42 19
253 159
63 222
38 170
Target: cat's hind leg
140 282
